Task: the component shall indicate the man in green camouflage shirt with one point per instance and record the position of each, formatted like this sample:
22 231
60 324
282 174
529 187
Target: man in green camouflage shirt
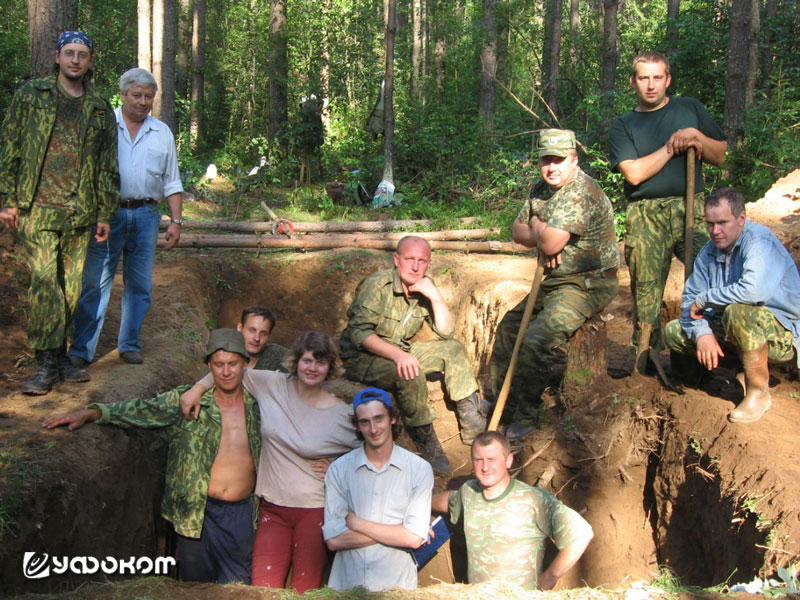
211 462
507 522
570 221
58 178
389 309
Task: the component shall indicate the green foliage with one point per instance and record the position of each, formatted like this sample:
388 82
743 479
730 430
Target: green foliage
13 37
772 135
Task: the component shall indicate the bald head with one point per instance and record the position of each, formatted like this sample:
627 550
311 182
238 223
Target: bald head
411 259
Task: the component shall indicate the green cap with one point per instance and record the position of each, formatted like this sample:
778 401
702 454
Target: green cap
556 142
230 340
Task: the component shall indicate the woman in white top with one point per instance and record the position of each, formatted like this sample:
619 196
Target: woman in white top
303 428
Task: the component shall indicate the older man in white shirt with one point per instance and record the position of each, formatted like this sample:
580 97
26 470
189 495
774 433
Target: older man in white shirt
148 167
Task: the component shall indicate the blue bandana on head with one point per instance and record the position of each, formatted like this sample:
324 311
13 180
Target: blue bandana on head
369 394
74 37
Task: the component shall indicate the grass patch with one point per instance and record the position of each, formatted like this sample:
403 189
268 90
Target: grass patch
18 474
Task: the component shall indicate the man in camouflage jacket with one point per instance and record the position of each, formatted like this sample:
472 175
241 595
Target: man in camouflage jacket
570 221
389 309
211 462
58 178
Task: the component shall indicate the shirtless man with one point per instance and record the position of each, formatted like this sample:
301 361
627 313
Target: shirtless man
211 462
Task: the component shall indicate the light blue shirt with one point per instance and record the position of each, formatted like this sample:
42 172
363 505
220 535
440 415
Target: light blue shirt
148 165
757 270
397 494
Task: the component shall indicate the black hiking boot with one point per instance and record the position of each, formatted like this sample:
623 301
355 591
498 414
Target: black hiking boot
471 418
46 374
430 449
69 369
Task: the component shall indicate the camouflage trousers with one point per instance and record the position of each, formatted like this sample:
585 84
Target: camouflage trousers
742 327
55 253
655 233
448 357
563 305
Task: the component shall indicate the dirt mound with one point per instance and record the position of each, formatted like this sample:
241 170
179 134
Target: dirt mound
663 478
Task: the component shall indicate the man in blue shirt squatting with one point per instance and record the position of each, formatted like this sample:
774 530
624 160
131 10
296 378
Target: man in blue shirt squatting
377 502
743 297
148 169
211 463
507 522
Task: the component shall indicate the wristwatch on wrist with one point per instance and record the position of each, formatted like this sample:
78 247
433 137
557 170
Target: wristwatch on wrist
176 221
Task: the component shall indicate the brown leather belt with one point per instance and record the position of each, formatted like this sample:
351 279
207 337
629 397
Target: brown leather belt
136 203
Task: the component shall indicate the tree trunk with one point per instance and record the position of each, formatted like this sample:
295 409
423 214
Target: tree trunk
426 52
184 47
388 106
753 24
143 18
738 71
551 52
767 53
166 86
574 24
610 54
586 355
325 67
46 20
277 75
196 129
439 50
488 62
416 46
158 53
673 9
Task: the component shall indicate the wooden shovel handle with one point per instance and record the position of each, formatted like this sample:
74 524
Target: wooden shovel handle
523 327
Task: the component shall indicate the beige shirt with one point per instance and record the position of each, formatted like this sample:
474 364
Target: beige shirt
293 435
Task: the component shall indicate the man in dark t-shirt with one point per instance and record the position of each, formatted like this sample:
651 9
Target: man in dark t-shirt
648 146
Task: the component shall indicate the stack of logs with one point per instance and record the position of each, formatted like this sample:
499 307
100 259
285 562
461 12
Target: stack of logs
376 235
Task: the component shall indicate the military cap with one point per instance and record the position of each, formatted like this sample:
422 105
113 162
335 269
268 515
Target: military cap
556 142
229 340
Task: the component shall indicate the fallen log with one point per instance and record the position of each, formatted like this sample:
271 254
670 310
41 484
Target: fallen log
309 242
307 227
451 235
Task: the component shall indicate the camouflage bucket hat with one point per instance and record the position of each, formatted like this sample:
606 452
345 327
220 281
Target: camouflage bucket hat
229 340
556 142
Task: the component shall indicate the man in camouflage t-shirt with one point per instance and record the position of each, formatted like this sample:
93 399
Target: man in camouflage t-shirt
570 221
506 522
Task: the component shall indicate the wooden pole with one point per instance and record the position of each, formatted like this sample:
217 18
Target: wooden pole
322 227
688 233
308 242
523 327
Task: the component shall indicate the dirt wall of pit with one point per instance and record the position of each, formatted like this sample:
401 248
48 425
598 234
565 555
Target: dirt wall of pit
620 451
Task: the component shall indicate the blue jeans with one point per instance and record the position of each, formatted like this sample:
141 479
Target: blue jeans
134 233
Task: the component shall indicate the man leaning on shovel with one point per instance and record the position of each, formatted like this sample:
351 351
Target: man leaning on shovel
570 221
649 145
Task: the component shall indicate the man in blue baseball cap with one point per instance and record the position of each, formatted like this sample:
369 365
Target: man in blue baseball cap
377 502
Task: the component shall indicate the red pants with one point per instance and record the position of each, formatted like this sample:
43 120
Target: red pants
285 536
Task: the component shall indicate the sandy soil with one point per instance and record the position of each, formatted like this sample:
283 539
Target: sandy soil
662 477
